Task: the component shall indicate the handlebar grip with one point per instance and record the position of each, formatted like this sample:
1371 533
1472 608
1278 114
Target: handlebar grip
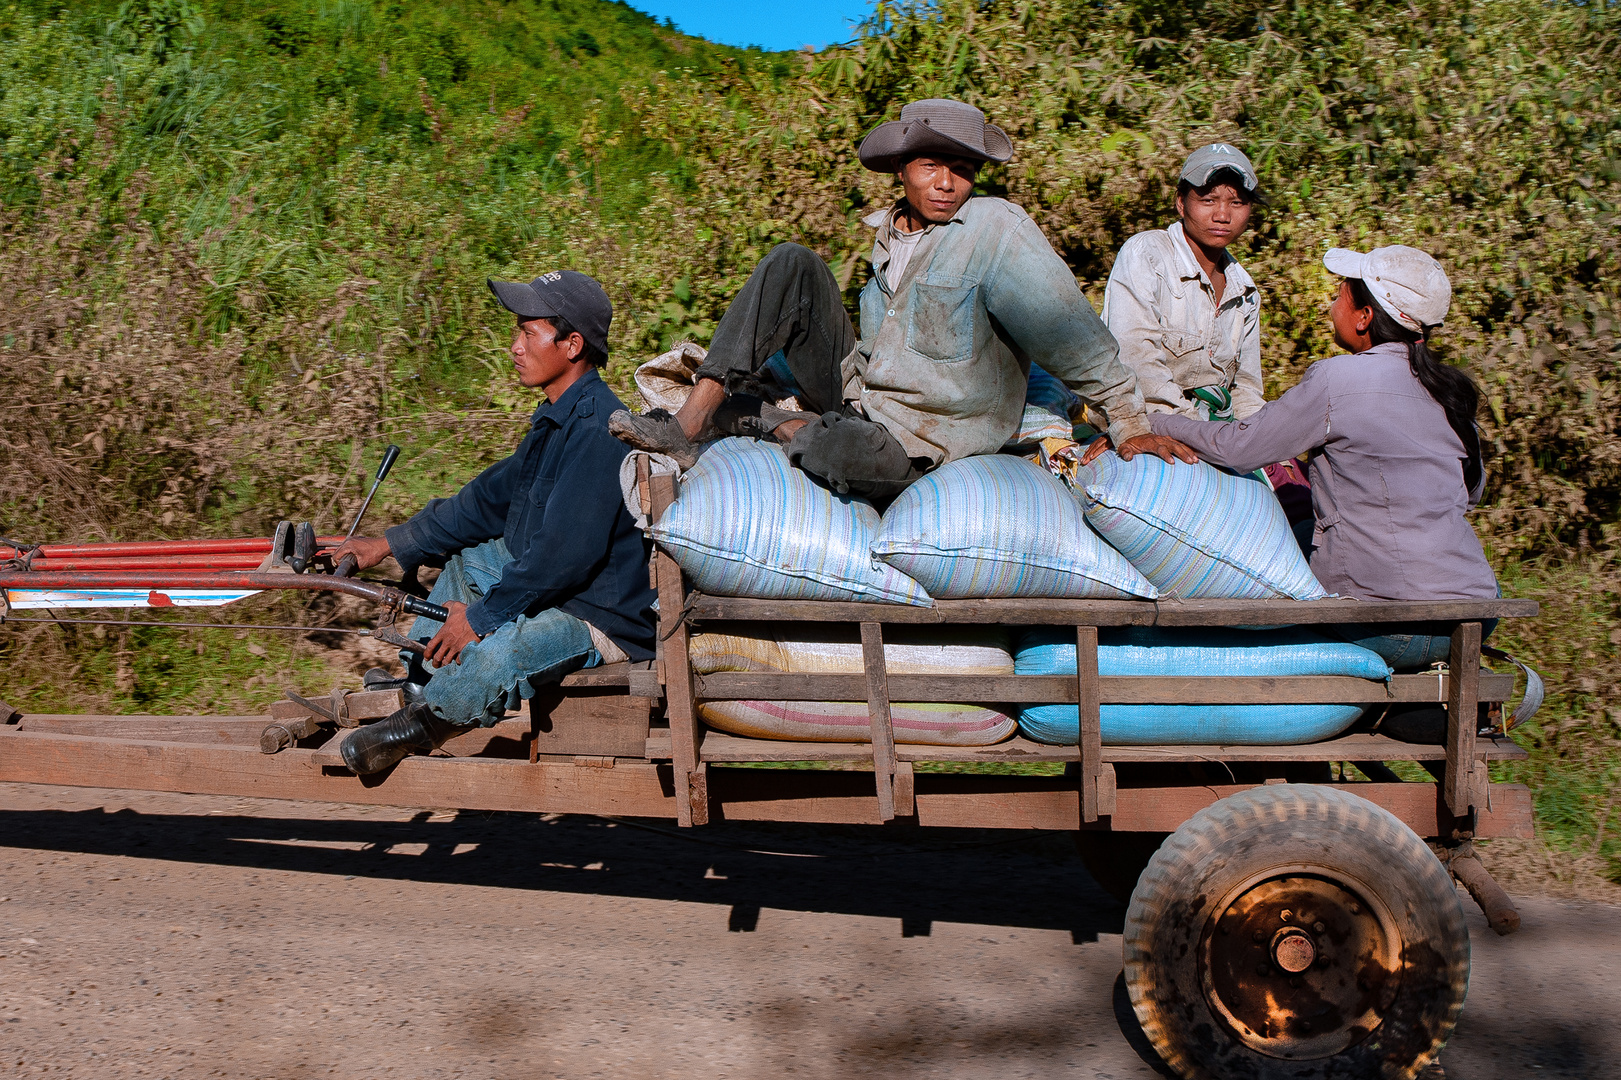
417 606
346 567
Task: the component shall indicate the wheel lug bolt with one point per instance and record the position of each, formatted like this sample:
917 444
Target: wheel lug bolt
1259 936
1319 927
1284 915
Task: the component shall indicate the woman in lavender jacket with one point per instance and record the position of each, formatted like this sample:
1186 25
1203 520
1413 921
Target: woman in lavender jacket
1395 457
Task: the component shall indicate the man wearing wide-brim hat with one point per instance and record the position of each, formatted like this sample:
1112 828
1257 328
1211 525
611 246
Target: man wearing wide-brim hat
966 294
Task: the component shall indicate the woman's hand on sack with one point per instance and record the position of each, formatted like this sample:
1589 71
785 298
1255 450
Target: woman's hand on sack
1161 446
447 645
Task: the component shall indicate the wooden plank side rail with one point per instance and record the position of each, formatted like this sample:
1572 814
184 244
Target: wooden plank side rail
1112 612
717 747
883 734
1090 714
1112 689
691 795
1463 700
646 790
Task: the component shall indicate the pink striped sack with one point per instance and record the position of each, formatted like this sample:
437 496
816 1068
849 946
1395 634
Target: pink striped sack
828 650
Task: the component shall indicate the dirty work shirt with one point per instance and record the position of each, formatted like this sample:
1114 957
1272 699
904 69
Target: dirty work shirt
556 504
1161 307
946 344
1386 473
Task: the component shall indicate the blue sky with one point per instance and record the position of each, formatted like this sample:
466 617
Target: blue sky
770 25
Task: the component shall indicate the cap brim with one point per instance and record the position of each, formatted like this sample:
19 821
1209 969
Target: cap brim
1345 262
1200 177
521 299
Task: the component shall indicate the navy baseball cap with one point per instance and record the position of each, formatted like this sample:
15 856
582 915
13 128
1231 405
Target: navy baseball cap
564 294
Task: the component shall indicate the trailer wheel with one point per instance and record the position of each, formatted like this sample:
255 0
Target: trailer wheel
1296 931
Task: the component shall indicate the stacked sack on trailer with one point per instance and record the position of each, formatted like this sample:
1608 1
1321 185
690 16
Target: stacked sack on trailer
823 648
746 523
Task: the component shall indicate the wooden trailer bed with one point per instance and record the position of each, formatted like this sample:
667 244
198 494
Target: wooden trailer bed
1350 956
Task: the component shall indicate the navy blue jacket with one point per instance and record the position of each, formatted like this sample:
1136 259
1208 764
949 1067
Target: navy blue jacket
556 501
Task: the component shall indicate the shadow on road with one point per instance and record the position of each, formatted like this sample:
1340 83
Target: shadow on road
917 877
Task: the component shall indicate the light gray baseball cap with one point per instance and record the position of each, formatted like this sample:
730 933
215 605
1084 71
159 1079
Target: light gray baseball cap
1410 285
1208 160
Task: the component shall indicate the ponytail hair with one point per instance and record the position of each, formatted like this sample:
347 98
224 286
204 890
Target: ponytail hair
1451 388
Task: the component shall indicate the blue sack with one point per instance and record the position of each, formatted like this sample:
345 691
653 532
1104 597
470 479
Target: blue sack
1195 531
997 525
1196 651
747 523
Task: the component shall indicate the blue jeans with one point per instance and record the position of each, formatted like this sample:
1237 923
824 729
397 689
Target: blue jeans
502 671
1410 646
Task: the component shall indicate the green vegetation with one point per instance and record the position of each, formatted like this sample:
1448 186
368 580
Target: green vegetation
244 245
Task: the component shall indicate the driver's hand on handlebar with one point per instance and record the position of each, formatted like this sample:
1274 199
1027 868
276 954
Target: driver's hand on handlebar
454 636
368 551
1159 445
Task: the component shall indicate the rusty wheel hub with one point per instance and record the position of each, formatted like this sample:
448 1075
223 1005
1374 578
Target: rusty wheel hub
1297 966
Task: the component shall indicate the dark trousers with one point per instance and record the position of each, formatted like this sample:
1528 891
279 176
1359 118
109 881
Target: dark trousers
791 304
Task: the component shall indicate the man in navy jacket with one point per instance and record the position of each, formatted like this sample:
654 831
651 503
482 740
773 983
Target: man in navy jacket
545 571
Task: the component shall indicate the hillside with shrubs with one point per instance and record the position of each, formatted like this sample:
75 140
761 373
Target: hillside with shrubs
244 246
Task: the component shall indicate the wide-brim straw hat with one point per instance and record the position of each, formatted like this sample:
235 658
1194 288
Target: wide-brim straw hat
934 126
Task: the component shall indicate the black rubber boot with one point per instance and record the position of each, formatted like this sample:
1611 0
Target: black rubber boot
382 679
412 730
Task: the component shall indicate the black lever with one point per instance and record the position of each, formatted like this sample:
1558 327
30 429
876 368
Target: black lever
347 565
303 546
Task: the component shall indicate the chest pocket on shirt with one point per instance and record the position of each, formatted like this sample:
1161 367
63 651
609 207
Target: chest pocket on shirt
942 321
1179 343
542 490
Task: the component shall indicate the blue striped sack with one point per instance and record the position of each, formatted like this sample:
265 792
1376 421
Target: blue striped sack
747 523
1196 651
1195 531
997 525
1048 405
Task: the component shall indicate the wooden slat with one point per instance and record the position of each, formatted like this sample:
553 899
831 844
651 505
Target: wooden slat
1089 693
373 704
718 747
905 790
632 790
329 754
606 675
504 739
1029 612
601 721
635 790
883 736
215 730
951 801
1113 690
1463 718
691 792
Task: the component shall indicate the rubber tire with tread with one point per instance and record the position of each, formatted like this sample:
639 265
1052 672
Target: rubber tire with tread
1343 838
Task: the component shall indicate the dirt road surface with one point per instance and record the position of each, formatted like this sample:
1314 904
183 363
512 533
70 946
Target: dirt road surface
151 935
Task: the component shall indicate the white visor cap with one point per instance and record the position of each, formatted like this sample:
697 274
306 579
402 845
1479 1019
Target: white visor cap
1406 282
